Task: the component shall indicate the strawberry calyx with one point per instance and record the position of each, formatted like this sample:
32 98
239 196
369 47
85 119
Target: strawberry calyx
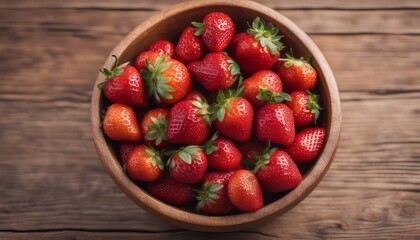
313 104
290 60
268 96
266 34
264 158
115 70
199 26
186 154
157 129
223 102
207 194
208 146
156 83
155 157
203 109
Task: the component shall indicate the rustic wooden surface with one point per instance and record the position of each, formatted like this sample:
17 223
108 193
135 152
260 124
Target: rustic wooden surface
52 185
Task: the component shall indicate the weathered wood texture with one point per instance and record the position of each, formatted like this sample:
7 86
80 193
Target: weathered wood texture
53 186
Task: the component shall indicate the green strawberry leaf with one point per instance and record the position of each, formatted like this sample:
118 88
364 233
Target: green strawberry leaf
313 105
157 84
115 70
209 193
290 60
200 27
266 35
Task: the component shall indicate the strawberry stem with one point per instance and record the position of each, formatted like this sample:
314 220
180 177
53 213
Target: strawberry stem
207 194
290 60
156 83
199 27
268 96
313 105
267 35
115 70
157 129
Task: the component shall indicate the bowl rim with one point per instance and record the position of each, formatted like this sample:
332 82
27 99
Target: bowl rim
196 221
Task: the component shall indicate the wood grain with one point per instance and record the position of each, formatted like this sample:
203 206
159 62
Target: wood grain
53 185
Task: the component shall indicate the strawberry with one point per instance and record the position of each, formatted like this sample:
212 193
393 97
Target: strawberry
276 171
189 122
190 48
305 107
244 191
171 191
140 62
167 80
188 164
233 115
144 164
222 154
163 47
274 122
217 30
212 197
250 149
120 123
193 95
123 84
258 50
125 148
296 74
153 128
235 42
307 144
262 87
216 71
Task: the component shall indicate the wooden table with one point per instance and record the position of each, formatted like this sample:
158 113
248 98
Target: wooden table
53 186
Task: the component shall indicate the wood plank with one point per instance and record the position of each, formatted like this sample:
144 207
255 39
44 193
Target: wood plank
321 21
158 5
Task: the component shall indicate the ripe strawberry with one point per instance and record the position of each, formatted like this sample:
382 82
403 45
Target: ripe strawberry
258 50
153 128
244 191
163 47
167 80
189 122
276 171
222 154
213 197
123 84
233 115
216 71
194 95
307 144
125 148
262 87
171 191
305 107
217 30
190 48
296 74
188 164
120 123
235 42
274 122
144 164
250 149
140 62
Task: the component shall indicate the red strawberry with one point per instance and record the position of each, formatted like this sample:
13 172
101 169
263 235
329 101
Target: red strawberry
188 164
222 154
274 122
120 123
233 116
235 42
296 74
193 95
307 144
123 84
126 148
276 171
305 107
153 128
250 149
189 122
213 197
163 47
217 31
262 87
150 56
171 191
190 48
216 71
258 50
244 191
144 164
167 80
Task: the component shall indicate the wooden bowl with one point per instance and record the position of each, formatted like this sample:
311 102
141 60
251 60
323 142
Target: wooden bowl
168 25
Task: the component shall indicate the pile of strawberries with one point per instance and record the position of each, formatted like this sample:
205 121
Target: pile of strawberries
193 121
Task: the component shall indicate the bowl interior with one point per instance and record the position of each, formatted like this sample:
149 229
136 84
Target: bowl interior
169 25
